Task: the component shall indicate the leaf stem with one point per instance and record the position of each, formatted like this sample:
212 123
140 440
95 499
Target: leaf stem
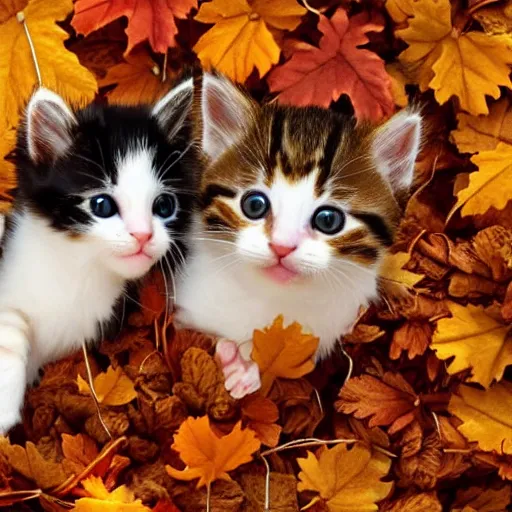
304 443
20 17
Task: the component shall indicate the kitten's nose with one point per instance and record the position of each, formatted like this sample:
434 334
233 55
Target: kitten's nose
281 250
142 236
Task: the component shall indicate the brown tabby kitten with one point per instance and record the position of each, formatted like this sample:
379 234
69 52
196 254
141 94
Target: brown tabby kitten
298 208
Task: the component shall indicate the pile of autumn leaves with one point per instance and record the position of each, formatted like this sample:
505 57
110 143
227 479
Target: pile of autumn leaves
424 423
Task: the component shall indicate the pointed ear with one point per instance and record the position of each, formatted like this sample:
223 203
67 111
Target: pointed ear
226 112
395 147
172 110
49 126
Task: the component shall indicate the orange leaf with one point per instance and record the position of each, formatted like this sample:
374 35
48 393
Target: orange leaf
112 387
151 20
283 352
7 175
152 299
317 76
119 500
207 456
241 40
390 401
79 451
261 414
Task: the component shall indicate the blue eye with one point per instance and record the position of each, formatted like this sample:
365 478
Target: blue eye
165 206
103 206
255 205
328 220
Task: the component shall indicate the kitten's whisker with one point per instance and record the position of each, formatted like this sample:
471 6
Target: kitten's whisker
166 290
182 154
101 153
85 159
346 164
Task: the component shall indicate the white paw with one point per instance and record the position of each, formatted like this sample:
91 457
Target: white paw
12 388
242 377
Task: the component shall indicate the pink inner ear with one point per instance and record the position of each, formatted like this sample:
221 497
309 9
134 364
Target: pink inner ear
218 111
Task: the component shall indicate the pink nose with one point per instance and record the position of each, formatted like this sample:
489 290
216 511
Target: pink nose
281 250
142 237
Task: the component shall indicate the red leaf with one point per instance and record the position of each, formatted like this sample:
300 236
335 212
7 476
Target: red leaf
317 76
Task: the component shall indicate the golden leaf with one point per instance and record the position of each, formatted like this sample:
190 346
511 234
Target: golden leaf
482 500
475 340
7 173
468 65
112 387
348 479
119 500
486 416
207 456
241 40
398 81
392 270
60 68
283 352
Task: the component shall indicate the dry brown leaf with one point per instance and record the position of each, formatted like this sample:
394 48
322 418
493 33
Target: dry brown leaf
480 499
261 415
283 492
411 337
422 502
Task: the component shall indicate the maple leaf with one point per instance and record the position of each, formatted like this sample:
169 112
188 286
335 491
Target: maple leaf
207 456
390 401
482 500
112 387
392 270
7 174
283 352
468 65
348 479
121 499
60 68
486 416
240 39
151 20
138 80
476 340
79 451
317 76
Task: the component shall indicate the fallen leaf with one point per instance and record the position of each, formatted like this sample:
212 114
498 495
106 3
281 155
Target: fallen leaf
79 451
60 69
411 337
363 333
317 76
283 492
469 65
153 301
121 499
486 416
261 415
283 352
151 20
390 401
475 340
493 246
398 82
7 174
240 39
207 456
422 502
348 479
392 270
112 387
480 499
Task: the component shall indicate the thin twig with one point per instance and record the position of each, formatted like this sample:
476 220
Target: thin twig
458 450
350 365
20 17
164 70
311 9
305 443
208 496
93 392
267 485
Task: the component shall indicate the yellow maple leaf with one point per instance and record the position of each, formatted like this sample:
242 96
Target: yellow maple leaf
486 416
207 456
283 352
467 65
490 186
121 499
475 340
392 270
241 40
60 69
398 81
347 479
7 174
112 387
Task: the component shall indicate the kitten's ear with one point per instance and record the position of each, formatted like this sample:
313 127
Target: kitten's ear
226 113
172 110
49 126
395 147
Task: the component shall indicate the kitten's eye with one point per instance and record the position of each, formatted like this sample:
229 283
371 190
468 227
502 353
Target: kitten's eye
255 205
165 206
328 220
103 206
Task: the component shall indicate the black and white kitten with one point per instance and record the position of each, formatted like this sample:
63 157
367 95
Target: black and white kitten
104 194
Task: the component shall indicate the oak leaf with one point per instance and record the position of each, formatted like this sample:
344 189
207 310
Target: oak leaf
79 451
480 499
392 270
468 65
151 20
317 76
121 499
283 352
207 456
486 416
60 69
240 39
475 340
347 479
390 401
112 387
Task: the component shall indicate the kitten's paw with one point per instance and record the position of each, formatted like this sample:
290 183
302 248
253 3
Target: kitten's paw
12 388
242 377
